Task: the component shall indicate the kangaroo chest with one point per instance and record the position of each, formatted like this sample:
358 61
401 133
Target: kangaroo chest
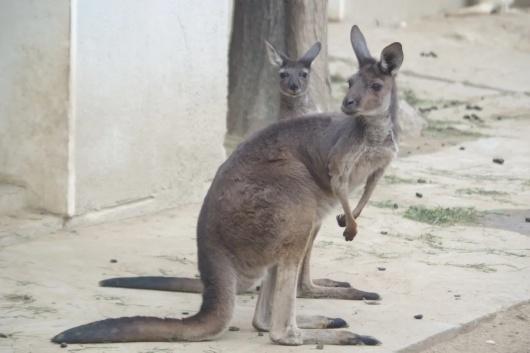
371 158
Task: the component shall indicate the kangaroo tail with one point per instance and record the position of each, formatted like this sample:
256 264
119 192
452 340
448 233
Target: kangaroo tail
213 318
172 284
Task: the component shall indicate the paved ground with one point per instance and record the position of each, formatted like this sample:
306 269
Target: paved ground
458 254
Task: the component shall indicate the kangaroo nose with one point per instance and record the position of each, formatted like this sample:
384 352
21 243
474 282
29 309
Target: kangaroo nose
293 87
348 102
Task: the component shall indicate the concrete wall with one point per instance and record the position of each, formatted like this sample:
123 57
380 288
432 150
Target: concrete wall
150 92
34 72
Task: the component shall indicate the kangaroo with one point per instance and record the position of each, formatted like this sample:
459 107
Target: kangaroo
295 101
294 76
264 205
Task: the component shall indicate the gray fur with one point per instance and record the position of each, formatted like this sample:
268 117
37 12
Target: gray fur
294 77
260 212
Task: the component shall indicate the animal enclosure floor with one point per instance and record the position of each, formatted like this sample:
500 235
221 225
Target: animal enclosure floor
456 255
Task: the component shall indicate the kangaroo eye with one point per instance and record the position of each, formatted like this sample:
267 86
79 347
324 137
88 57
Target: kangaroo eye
284 75
376 86
303 74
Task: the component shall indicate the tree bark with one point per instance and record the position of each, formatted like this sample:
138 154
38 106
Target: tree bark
291 26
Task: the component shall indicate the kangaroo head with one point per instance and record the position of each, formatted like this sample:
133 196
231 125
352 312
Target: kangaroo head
370 89
294 74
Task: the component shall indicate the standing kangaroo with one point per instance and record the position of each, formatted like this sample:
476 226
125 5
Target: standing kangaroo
264 205
295 101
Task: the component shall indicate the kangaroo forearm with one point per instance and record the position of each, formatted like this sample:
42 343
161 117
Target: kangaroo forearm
369 188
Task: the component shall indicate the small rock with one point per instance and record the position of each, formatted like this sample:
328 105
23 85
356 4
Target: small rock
527 219
260 333
419 195
64 345
421 181
320 346
418 317
429 54
258 288
381 268
185 313
395 206
113 261
498 160
3 335
384 232
462 148
233 328
467 117
490 342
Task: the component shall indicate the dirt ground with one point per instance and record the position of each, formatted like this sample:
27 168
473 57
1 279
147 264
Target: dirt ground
445 235
507 332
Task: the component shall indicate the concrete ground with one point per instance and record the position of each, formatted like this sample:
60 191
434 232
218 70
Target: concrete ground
456 255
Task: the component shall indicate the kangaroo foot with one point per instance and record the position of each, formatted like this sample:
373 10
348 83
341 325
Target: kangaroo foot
325 282
319 322
296 337
336 337
306 322
336 293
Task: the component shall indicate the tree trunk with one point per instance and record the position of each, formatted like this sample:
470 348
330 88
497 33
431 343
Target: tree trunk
253 93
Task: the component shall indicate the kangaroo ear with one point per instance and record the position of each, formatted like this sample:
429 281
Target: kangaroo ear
391 58
359 46
311 54
275 57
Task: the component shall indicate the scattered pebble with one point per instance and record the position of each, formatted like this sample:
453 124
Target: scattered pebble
113 261
384 232
476 117
498 160
64 345
457 296
418 317
258 288
473 107
467 117
490 342
421 181
381 268
527 219
233 328
3 335
429 54
185 313
395 206
462 148
499 118
260 333
320 346
419 195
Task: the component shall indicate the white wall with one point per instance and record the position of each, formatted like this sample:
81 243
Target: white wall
150 90
34 62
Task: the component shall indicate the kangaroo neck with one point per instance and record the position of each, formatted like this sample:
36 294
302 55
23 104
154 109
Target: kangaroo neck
377 128
293 106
